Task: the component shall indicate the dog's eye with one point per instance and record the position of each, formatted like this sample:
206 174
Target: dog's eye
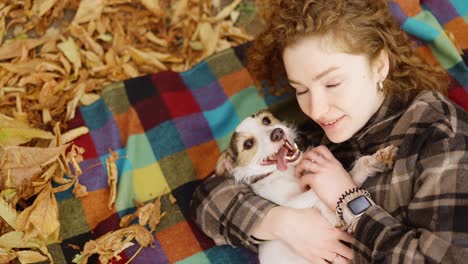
266 120
248 144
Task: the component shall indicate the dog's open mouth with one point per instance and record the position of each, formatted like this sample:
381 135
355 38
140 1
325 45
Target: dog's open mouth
286 154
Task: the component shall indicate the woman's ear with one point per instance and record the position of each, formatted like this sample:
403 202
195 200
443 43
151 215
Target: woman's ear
381 65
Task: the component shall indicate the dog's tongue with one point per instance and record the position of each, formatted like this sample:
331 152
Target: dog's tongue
281 159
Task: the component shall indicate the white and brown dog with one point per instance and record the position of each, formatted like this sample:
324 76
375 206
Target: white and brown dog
263 154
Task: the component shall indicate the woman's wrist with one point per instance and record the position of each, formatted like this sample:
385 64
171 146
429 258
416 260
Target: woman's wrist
352 205
269 227
339 193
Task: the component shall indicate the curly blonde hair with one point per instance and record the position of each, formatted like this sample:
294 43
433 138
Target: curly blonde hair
360 26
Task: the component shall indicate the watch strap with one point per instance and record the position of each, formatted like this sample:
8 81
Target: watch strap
342 210
351 219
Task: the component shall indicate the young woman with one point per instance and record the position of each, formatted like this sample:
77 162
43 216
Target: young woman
356 75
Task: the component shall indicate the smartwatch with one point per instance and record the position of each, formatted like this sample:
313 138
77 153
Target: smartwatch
352 205
358 205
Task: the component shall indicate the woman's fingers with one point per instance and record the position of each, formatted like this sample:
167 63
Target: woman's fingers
318 260
306 167
306 179
324 152
336 258
341 260
329 256
344 250
343 236
314 157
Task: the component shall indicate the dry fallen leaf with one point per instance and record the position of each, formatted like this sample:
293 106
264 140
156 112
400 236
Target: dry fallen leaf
111 244
8 213
155 217
7 256
127 219
112 177
80 190
209 37
41 7
25 162
225 12
72 53
172 199
42 216
18 47
29 256
15 132
88 10
144 213
15 239
72 134
12 136
147 214
153 6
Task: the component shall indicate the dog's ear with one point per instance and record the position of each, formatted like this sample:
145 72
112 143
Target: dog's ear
225 162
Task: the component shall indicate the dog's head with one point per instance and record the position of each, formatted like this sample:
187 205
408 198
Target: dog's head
260 145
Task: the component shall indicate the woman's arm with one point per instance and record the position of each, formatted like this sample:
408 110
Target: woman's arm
232 214
436 223
229 212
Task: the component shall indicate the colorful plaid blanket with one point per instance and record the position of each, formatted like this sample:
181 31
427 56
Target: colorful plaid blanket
440 27
169 128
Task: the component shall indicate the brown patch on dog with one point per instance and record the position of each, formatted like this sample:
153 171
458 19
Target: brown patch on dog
262 114
236 155
245 156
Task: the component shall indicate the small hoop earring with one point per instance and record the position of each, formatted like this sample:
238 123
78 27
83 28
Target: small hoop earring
380 86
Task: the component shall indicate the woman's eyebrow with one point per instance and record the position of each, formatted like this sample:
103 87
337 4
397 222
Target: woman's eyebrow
325 72
294 82
320 75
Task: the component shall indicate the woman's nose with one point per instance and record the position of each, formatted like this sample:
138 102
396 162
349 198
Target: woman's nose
318 106
277 134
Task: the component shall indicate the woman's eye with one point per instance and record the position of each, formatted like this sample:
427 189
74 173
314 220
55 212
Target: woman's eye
248 144
301 92
266 121
332 85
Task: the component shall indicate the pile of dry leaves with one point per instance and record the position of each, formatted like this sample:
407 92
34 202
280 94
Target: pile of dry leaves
26 172
56 55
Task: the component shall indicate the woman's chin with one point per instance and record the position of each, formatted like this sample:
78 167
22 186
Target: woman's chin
338 137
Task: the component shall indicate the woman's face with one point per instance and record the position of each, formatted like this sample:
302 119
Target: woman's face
337 90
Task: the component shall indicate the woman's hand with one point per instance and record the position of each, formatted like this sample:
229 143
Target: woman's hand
325 175
307 233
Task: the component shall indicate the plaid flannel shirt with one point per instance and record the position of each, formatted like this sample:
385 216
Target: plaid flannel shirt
421 214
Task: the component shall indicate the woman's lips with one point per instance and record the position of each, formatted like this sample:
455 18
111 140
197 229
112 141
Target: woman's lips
330 123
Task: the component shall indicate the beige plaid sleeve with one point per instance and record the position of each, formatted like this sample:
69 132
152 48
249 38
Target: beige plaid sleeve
228 212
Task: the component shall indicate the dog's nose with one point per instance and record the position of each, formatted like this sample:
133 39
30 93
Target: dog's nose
277 134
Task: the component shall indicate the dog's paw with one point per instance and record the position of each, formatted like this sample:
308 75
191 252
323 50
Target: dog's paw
384 159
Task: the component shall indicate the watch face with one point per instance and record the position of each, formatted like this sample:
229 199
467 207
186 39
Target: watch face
358 205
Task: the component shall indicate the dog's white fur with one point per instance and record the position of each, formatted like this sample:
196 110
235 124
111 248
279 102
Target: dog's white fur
244 163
